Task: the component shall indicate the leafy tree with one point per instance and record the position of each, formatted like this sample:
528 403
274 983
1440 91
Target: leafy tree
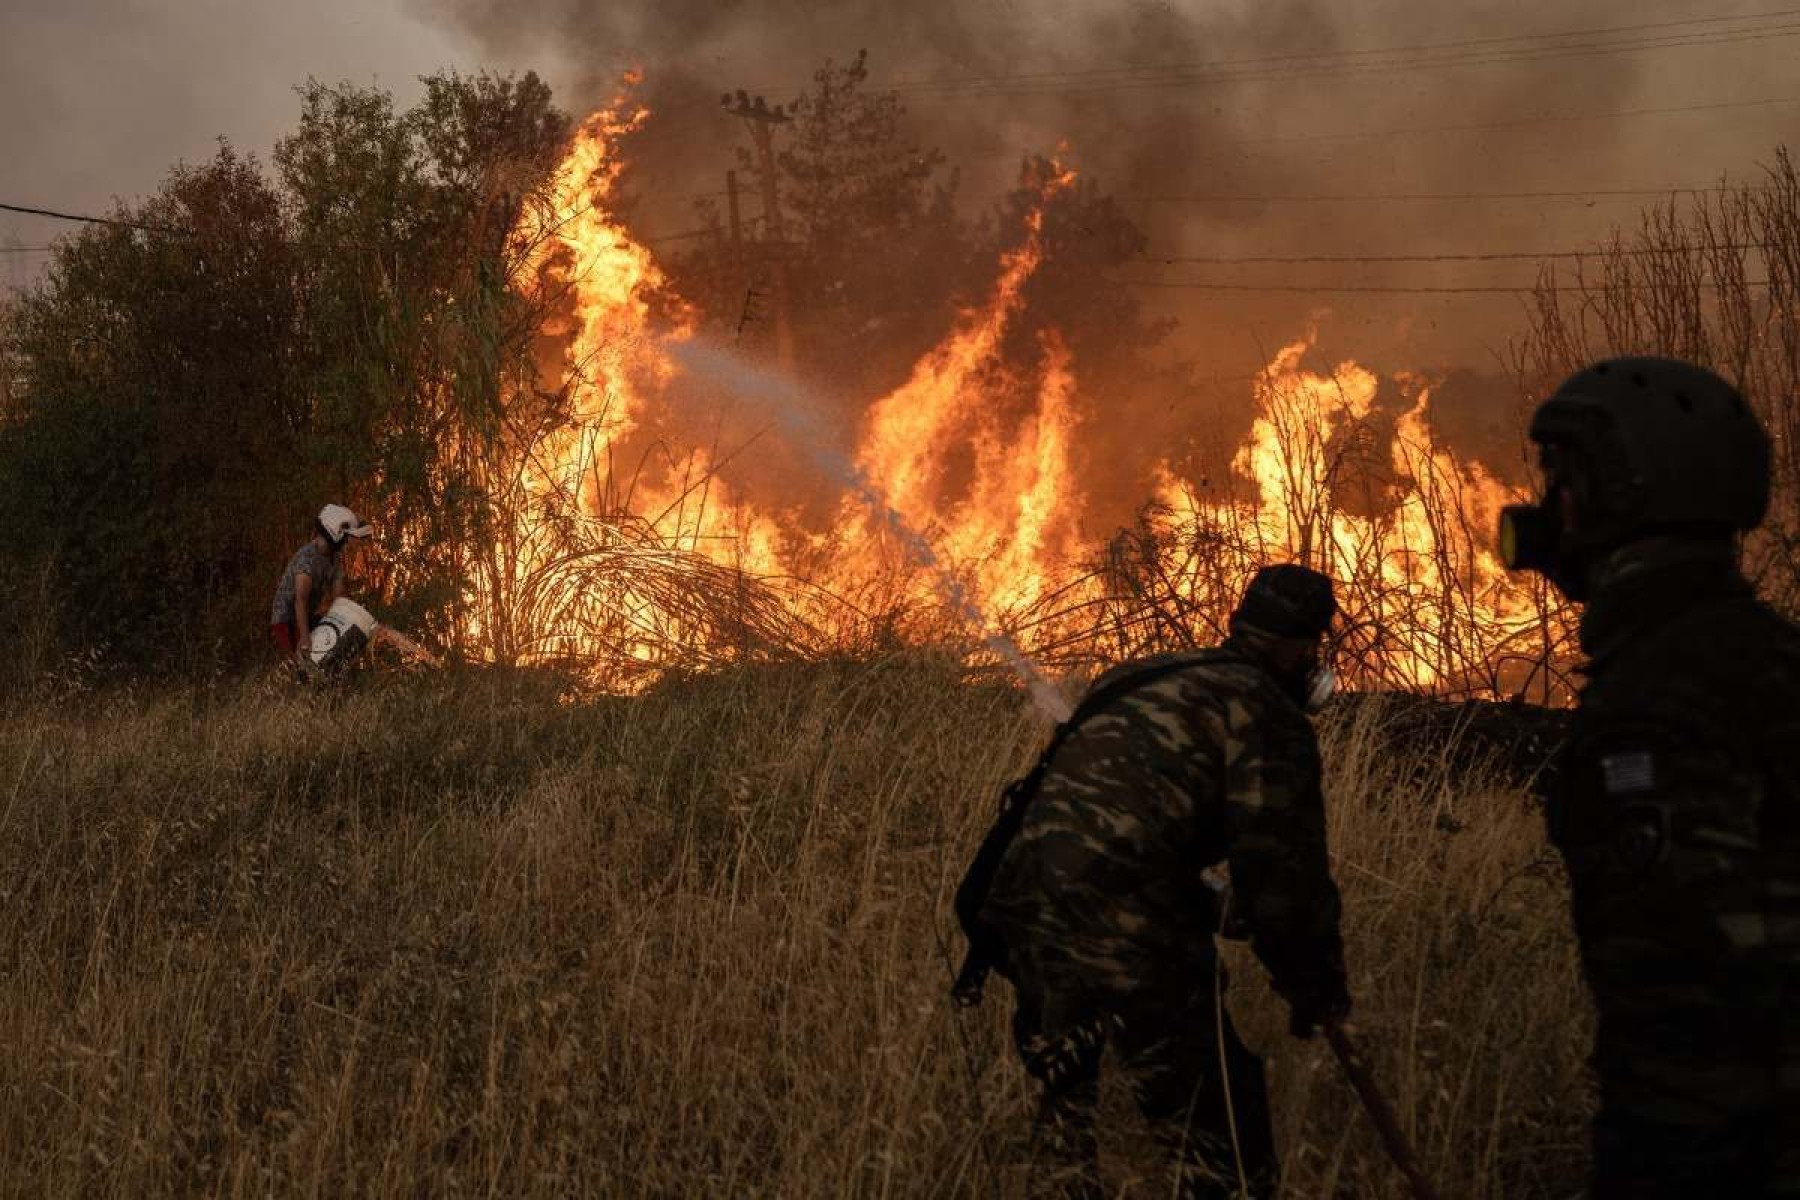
874 248
417 336
159 418
193 382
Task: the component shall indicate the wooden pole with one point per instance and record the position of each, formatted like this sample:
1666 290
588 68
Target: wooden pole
731 201
762 121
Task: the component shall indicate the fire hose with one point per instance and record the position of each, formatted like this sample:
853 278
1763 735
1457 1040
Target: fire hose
1381 1113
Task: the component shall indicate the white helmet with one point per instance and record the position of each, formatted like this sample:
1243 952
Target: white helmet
339 522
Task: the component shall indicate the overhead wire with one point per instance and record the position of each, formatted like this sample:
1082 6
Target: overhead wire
1493 256
1386 197
1376 51
1520 41
1371 289
1521 122
1334 63
1225 72
91 220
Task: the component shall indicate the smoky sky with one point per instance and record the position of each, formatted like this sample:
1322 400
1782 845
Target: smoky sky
1504 126
102 96
99 98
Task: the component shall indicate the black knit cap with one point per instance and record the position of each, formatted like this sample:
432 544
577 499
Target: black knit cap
1287 600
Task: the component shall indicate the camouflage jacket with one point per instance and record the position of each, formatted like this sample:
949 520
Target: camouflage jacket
1677 802
1210 763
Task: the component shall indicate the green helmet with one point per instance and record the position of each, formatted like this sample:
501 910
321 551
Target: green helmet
1632 448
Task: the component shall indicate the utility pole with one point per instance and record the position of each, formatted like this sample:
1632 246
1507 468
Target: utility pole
731 201
762 121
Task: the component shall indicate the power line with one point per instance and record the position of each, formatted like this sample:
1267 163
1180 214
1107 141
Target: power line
1370 289
1356 135
1475 126
26 249
63 216
1549 119
1142 76
1385 70
921 84
1496 256
1150 79
1317 55
1383 197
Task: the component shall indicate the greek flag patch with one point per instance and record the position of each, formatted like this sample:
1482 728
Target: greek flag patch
1628 774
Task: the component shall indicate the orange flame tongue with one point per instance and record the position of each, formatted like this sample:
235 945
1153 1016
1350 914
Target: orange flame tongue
1416 576
615 358
1021 503
1409 565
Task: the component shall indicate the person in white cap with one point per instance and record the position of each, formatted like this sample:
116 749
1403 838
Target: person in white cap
313 579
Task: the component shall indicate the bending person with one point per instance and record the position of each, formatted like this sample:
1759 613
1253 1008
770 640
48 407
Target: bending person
313 580
1108 909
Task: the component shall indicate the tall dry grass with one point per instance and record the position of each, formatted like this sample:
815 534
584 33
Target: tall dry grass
454 936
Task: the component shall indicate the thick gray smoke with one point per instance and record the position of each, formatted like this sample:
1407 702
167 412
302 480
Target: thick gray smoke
1521 140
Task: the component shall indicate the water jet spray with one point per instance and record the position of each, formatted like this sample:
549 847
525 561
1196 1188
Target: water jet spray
796 409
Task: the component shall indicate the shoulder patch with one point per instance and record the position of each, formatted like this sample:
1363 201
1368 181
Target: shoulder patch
1629 774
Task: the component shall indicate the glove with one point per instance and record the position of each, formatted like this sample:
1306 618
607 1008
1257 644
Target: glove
1315 1008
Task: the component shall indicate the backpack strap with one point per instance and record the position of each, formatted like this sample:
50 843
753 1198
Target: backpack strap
1099 699
987 949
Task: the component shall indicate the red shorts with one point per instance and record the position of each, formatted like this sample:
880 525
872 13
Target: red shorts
283 637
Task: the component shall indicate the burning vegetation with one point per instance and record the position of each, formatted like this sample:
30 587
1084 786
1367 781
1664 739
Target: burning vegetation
924 423
631 555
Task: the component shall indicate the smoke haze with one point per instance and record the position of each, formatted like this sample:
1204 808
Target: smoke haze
104 95
1075 71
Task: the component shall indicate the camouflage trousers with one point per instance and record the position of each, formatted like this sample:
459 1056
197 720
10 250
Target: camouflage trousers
1699 1100
1209 1115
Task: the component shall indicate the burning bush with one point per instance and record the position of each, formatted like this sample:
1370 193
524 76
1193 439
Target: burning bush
444 317
980 457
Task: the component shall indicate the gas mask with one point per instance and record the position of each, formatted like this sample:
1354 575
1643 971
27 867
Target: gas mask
1311 684
1321 685
1535 537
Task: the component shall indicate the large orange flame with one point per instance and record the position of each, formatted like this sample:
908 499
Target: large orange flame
1427 596
1018 513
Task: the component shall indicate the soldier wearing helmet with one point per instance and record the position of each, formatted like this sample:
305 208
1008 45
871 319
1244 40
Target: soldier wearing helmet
1676 805
314 578
1104 907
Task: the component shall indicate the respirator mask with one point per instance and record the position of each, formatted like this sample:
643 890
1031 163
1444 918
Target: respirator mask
1535 537
1529 535
1312 683
1321 685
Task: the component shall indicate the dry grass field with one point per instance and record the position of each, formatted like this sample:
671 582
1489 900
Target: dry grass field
450 936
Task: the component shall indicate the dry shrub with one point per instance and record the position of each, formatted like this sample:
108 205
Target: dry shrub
457 935
1713 278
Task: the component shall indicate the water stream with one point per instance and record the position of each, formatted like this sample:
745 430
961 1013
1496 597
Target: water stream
797 410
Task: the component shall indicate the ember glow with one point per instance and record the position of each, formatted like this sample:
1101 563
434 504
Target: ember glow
1000 499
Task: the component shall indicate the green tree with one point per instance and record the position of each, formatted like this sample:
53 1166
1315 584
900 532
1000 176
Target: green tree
194 381
158 419
418 334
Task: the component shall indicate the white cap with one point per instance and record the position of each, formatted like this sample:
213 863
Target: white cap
339 522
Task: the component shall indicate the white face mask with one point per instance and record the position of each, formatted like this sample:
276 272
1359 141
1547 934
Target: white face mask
1321 685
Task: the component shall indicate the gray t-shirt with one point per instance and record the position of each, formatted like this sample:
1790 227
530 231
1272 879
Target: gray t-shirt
322 566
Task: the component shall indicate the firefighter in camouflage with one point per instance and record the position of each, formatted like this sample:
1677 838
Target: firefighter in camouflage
1676 805
1109 899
